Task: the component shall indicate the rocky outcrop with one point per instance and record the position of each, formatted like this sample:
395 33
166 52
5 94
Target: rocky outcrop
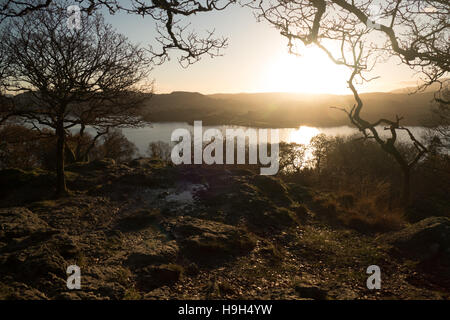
162 254
261 202
19 222
150 230
204 241
32 252
426 239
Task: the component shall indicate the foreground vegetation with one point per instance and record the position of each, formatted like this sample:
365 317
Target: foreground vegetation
145 229
148 230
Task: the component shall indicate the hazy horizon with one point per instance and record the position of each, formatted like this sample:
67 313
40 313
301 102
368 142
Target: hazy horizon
400 89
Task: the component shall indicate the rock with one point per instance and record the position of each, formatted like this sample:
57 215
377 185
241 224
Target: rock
310 291
342 293
34 253
279 218
66 246
260 202
20 291
271 253
272 219
273 187
113 290
138 220
42 263
204 240
423 240
216 289
158 255
18 222
153 277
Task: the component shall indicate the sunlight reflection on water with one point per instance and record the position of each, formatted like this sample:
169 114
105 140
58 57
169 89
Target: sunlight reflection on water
303 135
159 131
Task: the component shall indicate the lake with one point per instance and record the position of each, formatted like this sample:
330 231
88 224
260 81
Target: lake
161 131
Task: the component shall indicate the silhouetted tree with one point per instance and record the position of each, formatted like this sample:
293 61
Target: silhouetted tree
68 77
19 147
159 149
292 157
319 145
414 31
441 115
172 29
116 146
6 102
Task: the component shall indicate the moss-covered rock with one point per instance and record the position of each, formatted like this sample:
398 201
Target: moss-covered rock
204 241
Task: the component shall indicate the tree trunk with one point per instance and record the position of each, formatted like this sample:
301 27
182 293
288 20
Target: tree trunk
406 195
69 154
61 188
78 155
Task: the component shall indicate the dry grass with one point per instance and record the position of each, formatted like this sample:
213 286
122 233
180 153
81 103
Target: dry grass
369 213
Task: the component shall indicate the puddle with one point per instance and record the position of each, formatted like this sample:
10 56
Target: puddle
180 196
185 194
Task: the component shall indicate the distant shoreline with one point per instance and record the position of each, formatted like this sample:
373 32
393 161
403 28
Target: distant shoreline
275 125
275 110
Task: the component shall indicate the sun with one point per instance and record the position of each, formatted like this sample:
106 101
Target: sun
312 72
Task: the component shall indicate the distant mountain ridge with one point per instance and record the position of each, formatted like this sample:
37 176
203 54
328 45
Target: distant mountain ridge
285 109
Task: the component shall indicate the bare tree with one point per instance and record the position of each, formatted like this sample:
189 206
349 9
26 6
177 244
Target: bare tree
87 76
351 35
441 119
173 30
370 130
6 102
320 145
116 146
6 107
292 157
160 150
417 31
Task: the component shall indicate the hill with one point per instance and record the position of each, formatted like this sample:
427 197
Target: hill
285 109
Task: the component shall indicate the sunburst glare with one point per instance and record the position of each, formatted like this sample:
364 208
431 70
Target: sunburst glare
312 72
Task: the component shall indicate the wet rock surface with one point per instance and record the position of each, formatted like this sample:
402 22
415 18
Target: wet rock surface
148 230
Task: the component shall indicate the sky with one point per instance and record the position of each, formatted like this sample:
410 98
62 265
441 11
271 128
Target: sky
256 60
